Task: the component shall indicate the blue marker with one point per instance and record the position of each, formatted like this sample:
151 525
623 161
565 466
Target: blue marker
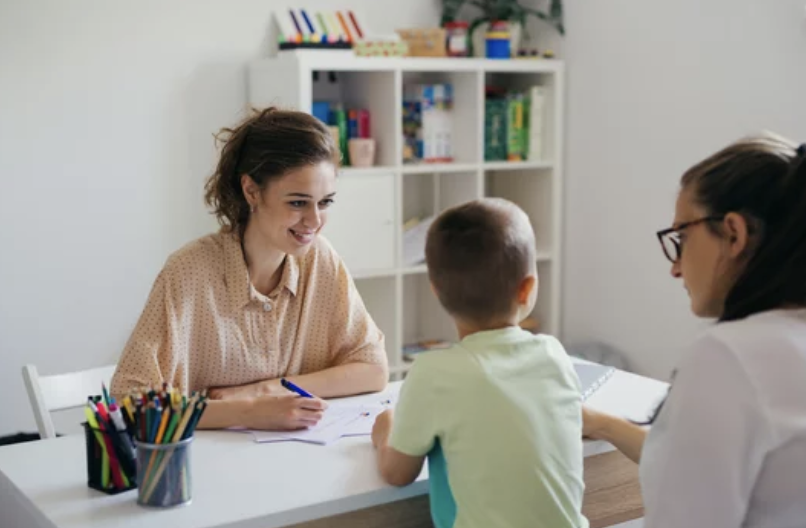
307 21
293 388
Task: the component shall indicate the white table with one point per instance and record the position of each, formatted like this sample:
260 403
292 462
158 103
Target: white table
238 483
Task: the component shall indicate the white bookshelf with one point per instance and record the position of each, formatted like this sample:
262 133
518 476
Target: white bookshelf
366 223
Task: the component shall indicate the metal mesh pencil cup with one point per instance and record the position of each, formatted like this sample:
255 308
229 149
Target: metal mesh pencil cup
164 474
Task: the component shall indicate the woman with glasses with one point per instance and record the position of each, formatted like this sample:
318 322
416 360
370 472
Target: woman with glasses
728 447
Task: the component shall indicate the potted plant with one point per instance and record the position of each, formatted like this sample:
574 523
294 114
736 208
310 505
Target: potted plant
510 11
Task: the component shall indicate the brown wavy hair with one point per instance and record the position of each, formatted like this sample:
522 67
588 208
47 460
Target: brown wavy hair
762 178
265 145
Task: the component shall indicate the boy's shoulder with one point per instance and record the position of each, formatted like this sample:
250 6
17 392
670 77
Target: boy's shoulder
540 348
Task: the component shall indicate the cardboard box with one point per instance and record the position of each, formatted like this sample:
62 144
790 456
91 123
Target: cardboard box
428 42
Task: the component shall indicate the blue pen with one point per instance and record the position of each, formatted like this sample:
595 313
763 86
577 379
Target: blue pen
293 388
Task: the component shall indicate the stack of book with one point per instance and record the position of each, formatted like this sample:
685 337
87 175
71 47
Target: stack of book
514 124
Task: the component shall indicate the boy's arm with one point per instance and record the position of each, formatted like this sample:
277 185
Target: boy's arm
402 447
397 469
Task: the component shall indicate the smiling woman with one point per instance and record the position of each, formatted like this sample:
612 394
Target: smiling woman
264 298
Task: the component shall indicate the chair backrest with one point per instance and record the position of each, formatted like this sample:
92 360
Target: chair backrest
61 391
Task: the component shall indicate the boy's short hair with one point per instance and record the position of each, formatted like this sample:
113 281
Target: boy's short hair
478 253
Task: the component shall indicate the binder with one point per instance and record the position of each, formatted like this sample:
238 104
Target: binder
591 377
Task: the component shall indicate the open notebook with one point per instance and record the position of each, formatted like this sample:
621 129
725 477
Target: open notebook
591 377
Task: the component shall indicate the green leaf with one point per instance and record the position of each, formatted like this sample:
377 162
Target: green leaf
471 29
450 10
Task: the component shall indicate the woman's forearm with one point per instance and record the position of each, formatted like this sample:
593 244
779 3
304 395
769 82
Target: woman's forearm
221 414
625 436
344 380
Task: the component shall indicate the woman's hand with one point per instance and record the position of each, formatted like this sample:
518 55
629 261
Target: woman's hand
284 413
593 423
382 428
251 390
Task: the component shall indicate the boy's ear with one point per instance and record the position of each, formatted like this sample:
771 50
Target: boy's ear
526 289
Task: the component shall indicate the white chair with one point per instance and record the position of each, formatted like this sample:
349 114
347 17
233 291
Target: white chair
61 391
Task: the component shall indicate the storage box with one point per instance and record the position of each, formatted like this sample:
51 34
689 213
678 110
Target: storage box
381 48
427 122
424 42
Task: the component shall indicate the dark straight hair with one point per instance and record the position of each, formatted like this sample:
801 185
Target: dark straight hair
763 178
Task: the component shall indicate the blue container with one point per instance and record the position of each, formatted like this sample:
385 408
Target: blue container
321 111
498 45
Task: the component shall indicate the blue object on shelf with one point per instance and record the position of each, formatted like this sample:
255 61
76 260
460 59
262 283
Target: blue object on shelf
498 46
321 111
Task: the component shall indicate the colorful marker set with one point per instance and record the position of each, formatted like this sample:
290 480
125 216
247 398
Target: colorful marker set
111 453
303 28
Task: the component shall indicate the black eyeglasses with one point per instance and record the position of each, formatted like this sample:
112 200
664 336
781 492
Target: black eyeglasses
670 238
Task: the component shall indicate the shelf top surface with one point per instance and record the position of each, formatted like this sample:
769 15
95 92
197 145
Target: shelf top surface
346 60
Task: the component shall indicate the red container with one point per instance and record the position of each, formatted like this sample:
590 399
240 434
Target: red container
456 39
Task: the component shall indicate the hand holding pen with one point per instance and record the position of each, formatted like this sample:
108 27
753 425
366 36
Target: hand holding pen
298 409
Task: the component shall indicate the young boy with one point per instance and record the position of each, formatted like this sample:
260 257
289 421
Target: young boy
498 415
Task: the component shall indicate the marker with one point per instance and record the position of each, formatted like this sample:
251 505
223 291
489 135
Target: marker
293 388
344 25
106 394
335 28
326 35
307 21
118 477
355 24
120 425
93 423
294 20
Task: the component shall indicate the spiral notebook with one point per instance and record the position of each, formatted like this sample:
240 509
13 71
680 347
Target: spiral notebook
591 377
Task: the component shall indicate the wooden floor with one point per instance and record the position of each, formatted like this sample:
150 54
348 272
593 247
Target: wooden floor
612 496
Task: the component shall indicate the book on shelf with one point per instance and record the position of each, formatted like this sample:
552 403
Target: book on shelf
514 124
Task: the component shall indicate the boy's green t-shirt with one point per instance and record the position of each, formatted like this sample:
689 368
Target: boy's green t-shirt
499 416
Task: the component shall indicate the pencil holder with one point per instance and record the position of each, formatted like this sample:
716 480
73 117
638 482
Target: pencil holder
163 474
111 463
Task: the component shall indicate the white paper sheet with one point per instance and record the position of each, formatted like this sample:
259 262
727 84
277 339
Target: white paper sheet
339 420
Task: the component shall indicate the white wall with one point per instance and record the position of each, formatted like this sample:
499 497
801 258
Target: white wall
653 87
106 116
107 110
